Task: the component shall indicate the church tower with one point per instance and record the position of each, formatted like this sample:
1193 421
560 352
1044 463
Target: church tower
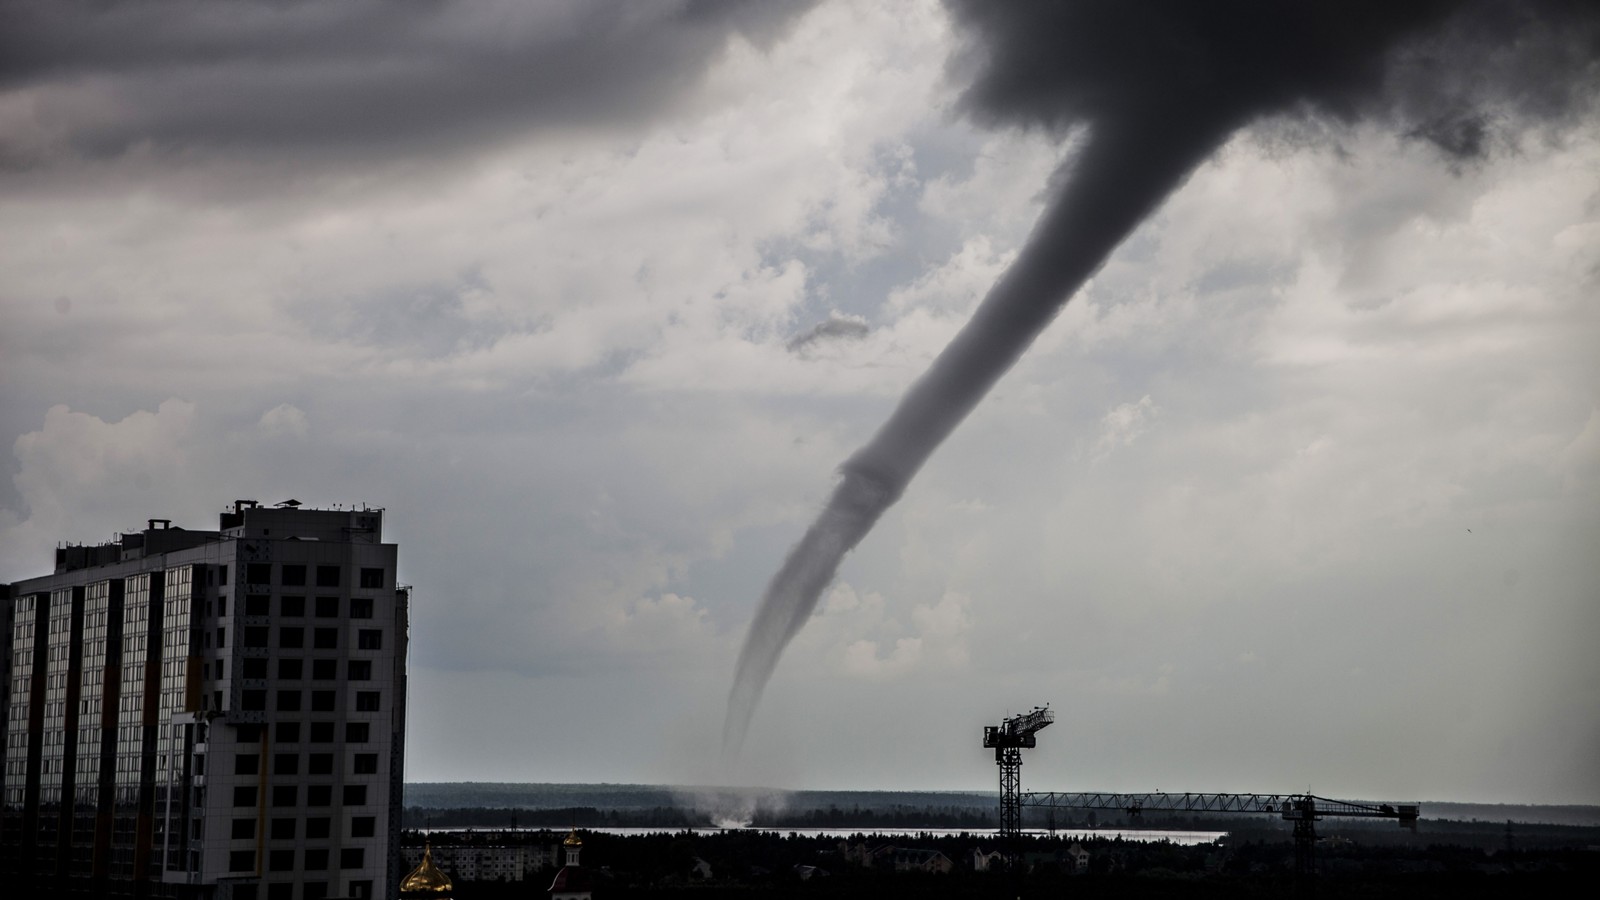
572 882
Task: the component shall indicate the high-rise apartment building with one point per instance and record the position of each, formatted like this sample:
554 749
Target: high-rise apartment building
209 714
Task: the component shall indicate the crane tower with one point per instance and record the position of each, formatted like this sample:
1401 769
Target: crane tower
1008 740
1015 733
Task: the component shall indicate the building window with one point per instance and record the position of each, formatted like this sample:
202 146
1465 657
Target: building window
280 861
288 701
326 638
253 701
322 701
285 795
372 578
319 795
253 666
293 606
356 732
367 701
246 764
360 607
363 826
243 829
286 764
222 605
360 670
244 795
369 639
352 858
222 574
258 573
366 764
316 859
321 732
320 764
241 861
283 829
289 669
329 576
280 891
256 636
317 828
257 604
222 637
327 607
288 732
294 576
355 795
248 734
361 890
291 638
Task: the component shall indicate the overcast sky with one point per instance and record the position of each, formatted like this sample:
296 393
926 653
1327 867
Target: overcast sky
1302 490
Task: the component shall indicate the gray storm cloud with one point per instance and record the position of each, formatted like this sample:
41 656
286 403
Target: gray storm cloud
361 79
1159 86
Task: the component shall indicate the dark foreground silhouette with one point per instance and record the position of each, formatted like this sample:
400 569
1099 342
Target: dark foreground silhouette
738 864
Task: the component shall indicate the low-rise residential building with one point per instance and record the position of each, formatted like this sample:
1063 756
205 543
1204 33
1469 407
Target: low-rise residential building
984 862
1078 858
910 859
486 859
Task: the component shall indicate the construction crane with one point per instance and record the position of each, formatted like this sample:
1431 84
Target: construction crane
1301 809
1019 732
1009 739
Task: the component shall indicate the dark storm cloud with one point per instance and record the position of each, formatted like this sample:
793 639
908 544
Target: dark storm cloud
1433 67
834 328
376 78
1159 86
1463 137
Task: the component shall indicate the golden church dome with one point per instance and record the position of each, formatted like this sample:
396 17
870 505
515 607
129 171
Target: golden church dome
426 878
573 840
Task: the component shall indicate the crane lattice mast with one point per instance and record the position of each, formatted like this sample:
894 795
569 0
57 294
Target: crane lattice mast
1008 739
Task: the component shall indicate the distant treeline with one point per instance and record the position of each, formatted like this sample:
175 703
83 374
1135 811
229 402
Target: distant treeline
675 817
512 795
667 818
490 806
893 818
451 795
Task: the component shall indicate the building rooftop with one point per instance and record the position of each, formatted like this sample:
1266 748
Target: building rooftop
288 520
